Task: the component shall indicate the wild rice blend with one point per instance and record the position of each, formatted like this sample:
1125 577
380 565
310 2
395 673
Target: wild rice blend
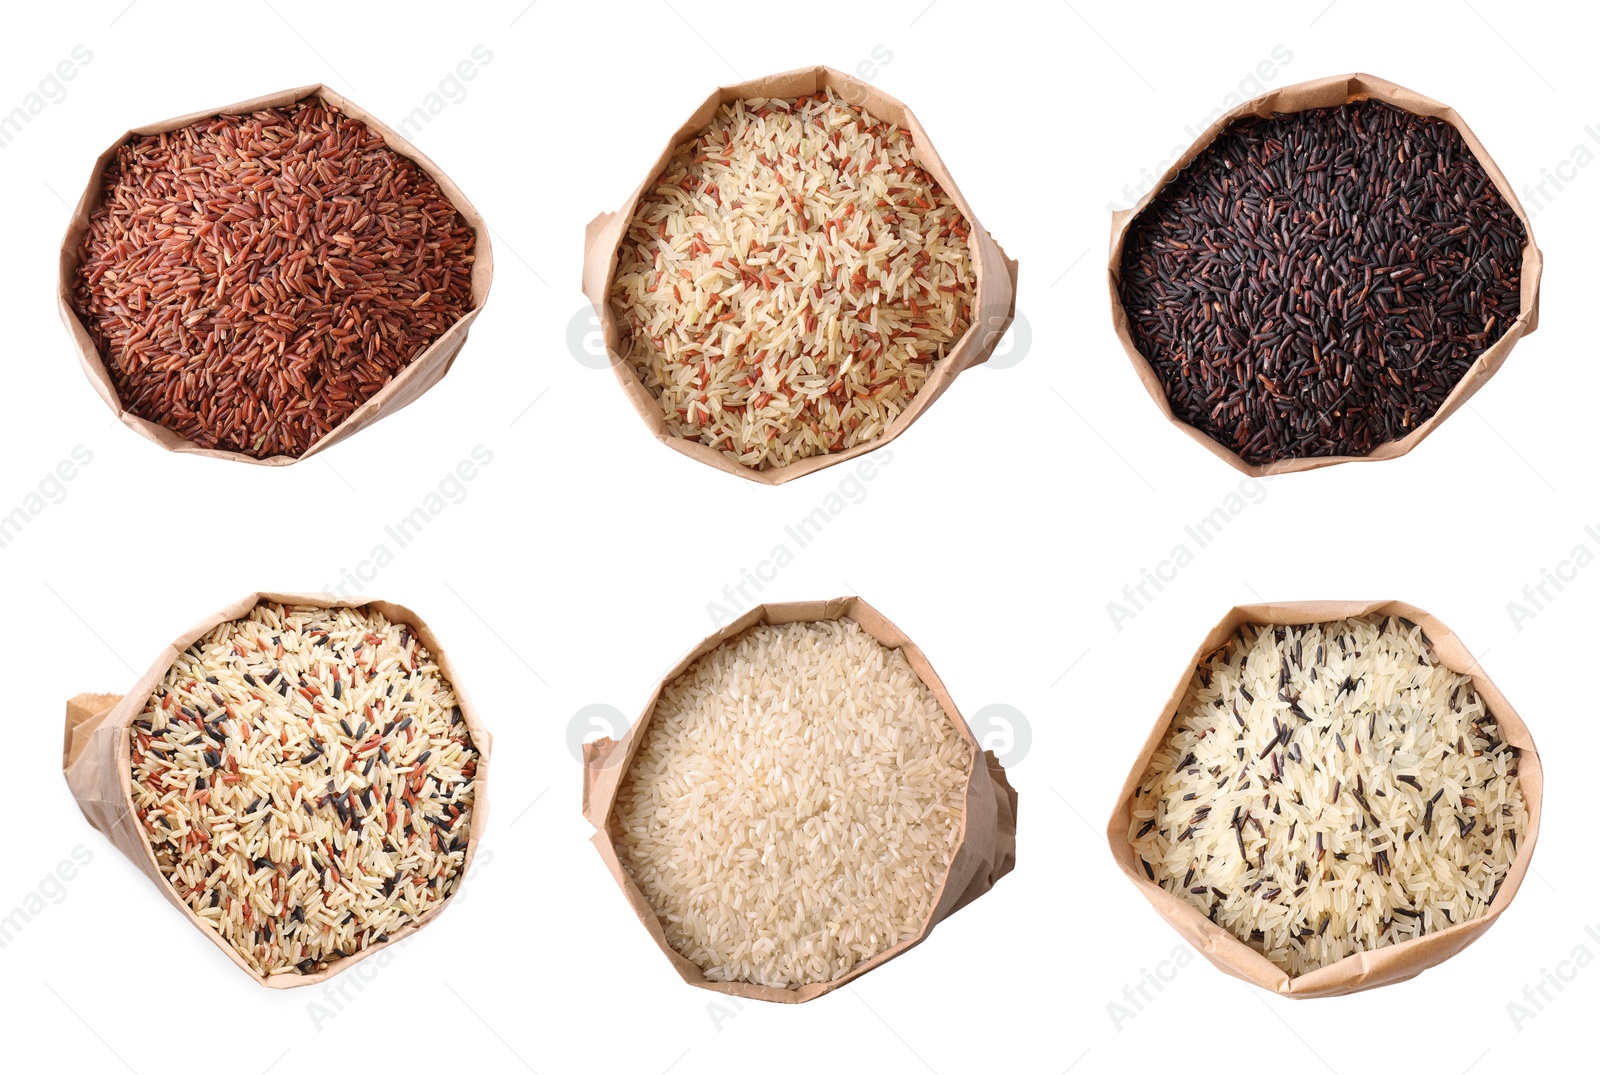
251 280
1328 789
791 280
1316 283
306 780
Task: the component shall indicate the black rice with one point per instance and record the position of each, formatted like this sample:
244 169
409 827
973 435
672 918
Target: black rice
1316 283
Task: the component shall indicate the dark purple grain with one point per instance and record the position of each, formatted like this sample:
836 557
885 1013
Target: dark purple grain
1316 283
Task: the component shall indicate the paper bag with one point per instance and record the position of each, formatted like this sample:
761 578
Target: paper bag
97 761
1378 966
987 851
993 305
1332 93
405 388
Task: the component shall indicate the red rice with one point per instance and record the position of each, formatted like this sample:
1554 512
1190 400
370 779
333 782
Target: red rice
250 280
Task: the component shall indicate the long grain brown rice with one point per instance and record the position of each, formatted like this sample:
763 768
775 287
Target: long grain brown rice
791 279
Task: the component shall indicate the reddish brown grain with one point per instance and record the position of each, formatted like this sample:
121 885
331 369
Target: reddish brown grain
252 280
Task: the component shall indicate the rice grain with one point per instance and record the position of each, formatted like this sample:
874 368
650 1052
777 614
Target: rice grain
306 781
1328 789
250 280
791 280
795 805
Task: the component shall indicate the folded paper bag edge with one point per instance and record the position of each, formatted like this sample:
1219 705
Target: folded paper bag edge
1004 843
85 712
595 755
1006 798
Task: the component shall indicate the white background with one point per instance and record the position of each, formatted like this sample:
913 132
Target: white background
580 563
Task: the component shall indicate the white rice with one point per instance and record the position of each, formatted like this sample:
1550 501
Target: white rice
1329 789
795 805
791 280
306 781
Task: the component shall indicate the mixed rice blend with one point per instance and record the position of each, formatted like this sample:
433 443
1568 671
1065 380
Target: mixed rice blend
306 781
791 280
1328 789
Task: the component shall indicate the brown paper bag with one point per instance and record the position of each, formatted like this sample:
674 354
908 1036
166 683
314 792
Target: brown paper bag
1363 970
407 386
993 307
1331 93
97 762
988 848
